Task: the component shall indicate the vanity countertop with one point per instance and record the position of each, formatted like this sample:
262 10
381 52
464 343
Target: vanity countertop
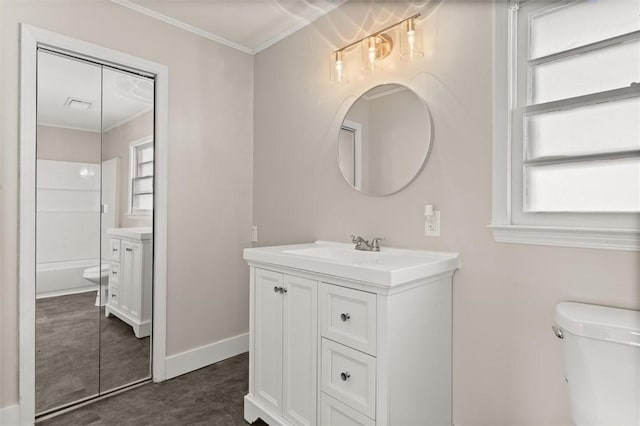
389 267
142 233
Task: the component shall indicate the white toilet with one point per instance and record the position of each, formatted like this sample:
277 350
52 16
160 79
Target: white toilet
99 275
601 356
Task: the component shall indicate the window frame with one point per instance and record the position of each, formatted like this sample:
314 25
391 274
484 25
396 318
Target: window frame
513 225
133 165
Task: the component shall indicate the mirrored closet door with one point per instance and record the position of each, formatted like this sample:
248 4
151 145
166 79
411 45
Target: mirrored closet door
94 230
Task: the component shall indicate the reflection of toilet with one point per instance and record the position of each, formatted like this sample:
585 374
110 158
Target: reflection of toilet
99 275
601 351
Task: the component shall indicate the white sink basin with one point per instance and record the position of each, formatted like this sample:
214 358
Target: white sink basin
387 267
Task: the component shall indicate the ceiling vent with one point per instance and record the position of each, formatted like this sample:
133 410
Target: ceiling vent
78 104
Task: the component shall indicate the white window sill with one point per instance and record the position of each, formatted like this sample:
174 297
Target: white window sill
597 238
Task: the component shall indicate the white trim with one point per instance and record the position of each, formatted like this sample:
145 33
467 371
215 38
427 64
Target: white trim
30 38
504 92
176 23
609 239
133 157
69 292
80 129
193 359
10 415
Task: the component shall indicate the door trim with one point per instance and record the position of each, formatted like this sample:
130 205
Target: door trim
31 38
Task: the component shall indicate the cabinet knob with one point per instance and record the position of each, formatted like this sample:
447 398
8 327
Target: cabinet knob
276 289
345 376
283 290
345 317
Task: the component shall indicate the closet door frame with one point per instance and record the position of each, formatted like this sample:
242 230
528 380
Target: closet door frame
32 38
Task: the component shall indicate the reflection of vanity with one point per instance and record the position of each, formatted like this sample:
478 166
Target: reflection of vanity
130 277
345 337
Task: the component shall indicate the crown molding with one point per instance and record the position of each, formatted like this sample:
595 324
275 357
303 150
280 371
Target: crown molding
172 21
214 37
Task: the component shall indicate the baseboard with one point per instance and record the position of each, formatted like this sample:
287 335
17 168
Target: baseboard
10 416
194 359
68 292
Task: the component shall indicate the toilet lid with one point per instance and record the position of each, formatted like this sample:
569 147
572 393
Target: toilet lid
103 267
600 322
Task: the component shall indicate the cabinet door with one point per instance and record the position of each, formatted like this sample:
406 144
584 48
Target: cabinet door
131 277
268 338
300 349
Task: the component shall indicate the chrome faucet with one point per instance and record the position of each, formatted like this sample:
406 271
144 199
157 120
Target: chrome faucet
364 245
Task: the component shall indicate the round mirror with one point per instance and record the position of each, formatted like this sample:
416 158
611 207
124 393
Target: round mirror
384 140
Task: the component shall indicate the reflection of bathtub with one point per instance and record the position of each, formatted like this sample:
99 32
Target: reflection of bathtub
58 278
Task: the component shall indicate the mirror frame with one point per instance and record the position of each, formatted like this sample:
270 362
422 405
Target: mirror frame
427 155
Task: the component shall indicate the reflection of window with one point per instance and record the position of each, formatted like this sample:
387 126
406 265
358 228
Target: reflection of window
567 136
141 177
350 153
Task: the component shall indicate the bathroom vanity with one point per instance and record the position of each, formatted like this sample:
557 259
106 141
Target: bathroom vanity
345 337
130 277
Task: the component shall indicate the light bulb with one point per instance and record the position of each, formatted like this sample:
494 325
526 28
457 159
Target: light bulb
411 42
338 72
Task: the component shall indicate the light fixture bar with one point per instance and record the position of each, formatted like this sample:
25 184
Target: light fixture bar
384 30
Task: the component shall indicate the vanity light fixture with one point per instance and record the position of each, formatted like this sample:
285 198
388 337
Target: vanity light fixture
377 46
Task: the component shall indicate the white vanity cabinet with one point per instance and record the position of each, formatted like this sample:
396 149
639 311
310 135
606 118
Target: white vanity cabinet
329 348
130 278
285 344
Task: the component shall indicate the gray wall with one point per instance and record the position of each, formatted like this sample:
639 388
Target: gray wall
116 145
210 168
57 143
507 363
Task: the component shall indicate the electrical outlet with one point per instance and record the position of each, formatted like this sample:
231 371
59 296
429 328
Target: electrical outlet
254 234
432 225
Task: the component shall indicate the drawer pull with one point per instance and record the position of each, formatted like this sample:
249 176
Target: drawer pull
345 317
115 249
345 376
113 296
128 249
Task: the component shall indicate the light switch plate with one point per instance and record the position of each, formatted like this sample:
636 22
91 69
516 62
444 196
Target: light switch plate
254 234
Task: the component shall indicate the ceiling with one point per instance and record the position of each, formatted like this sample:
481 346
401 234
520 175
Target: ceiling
115 97
247 25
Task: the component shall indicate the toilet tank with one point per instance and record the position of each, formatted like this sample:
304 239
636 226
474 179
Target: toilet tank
601 357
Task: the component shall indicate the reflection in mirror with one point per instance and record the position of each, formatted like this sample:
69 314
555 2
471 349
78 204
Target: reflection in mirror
384 140
68 231
94 213
127 228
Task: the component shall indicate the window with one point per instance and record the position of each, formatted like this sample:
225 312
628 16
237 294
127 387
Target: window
567 123
141 173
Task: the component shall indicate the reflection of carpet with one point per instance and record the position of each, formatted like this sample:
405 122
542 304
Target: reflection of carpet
209 396
73 360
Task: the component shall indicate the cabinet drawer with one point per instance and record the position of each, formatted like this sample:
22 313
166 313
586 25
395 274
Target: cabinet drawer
349 317
335 413
349 376
114 272
115 250
113 295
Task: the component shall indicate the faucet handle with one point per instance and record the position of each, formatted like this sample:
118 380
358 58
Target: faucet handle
356 238
375 243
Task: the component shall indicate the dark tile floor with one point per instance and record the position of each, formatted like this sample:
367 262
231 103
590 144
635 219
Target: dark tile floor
73 360
210 396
